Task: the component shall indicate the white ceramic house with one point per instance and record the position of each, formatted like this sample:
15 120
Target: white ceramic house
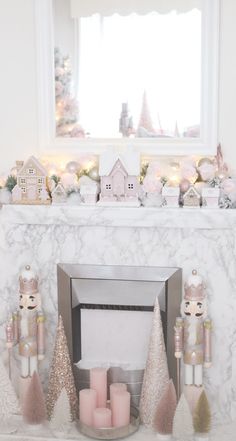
59 195
31 187
89 190
192 198
170 196
210 197
119 179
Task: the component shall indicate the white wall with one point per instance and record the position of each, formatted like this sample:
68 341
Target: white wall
18 105
227 98
18 87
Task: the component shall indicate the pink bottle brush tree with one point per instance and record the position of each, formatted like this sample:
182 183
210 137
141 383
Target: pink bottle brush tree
163 421
34 409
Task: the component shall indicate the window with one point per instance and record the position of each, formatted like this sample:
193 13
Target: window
130 186
40 180
23 189
108 186
39 190
31 171
155 90
22 181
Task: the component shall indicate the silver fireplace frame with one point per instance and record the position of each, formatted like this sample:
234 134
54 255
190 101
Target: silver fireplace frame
169 301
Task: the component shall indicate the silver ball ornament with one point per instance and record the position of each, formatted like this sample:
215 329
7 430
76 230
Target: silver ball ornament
72 167
205 161
184 185
93 174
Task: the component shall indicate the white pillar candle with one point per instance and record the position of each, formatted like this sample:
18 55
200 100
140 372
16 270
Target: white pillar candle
98 382
120 408
101 418
87 405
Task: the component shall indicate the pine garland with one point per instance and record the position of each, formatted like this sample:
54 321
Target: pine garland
10 182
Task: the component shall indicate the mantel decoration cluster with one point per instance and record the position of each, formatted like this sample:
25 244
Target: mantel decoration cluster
121 179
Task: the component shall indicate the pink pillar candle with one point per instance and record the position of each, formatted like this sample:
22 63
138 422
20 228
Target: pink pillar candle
87 405
116 387
98 382
120 408
101 418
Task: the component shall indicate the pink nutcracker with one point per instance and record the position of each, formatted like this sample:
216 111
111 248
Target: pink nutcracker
26 326
193 331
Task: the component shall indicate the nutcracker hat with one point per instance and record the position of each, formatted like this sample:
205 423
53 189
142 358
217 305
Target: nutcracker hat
28 281
194 289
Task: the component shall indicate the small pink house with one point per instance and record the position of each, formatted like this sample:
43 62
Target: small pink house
119 179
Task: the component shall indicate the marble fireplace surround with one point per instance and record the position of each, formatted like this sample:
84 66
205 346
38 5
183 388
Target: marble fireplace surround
186 238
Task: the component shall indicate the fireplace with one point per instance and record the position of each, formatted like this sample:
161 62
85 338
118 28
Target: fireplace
107 314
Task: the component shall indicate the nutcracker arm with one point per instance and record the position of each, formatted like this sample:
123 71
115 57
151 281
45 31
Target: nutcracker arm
179 333
12 335
207 341
41 334
15 320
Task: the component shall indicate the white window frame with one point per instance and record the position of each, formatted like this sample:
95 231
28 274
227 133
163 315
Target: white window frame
49 143
31 169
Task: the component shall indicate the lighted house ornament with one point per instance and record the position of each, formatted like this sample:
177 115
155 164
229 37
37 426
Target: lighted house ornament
31 187
119 179
192 198
59 195
210 197
170 196
89 190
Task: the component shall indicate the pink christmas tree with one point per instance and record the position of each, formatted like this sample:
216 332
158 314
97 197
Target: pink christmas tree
163 421
34 409
145 121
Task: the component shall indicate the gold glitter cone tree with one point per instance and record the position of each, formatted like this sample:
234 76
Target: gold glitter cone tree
156 375
61 375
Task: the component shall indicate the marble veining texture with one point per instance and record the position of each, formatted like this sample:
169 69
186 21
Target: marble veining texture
202 239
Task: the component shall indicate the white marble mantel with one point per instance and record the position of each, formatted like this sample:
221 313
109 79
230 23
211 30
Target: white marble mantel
146 217
187 238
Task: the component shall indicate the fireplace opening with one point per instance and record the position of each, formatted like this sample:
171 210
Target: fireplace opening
107 313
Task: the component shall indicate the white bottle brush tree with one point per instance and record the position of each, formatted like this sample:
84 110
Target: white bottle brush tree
9 404
61 417
183 421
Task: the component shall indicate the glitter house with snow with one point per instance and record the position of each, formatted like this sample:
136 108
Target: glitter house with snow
119 178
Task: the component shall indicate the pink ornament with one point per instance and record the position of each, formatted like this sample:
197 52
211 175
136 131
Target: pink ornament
154 168
69 180
184 185
151 184
207 171
229 186
189 172
58 88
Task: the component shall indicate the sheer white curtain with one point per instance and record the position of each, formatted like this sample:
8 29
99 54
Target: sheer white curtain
85 8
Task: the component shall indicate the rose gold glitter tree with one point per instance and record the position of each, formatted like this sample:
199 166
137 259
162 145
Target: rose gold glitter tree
61 375
156 374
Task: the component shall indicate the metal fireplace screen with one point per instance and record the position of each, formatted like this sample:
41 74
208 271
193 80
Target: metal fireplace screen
107 314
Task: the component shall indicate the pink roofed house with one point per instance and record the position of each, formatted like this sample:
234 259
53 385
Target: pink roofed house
119 179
